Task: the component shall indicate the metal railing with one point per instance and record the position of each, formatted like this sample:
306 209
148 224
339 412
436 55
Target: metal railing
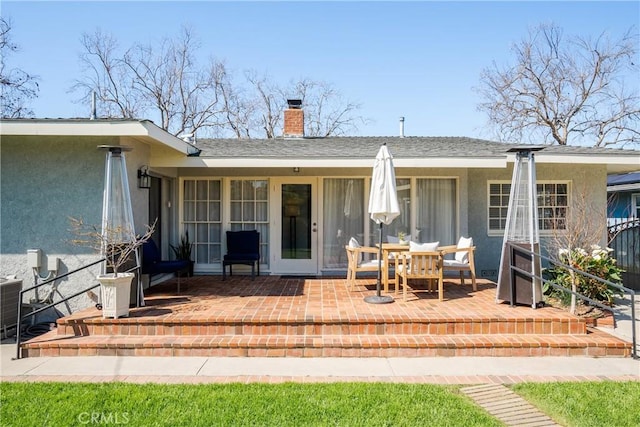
21 318
533 276
624 239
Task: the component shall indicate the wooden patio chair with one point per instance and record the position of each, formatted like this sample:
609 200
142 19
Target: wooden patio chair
463 259
415 265
356 261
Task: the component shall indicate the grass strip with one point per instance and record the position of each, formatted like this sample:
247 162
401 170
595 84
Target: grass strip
586 404
256 404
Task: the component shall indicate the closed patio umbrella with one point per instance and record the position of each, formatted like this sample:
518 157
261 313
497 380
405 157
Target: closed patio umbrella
383 207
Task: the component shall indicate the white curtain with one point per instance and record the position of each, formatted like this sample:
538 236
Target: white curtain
343 218
436 211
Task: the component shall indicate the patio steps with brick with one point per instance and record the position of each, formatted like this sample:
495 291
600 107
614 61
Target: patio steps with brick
298 325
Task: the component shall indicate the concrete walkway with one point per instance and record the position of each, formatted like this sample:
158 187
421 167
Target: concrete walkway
439 370
624 322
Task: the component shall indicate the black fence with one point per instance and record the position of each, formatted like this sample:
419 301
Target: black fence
624 239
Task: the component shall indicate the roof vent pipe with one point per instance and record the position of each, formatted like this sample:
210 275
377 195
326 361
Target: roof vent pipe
401 127
93 106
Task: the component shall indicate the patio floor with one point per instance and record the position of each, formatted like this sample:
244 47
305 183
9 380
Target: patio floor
293 316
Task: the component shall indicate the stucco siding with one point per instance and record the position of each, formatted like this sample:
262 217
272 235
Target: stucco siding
589 182
46 180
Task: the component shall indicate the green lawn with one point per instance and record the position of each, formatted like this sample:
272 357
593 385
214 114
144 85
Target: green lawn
586 404
290 404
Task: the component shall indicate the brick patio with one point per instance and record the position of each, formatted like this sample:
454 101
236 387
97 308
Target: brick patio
320 317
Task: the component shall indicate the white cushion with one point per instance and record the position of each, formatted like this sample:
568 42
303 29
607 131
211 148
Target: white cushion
395 239
463 256
423 247
353 243
454 263
371 263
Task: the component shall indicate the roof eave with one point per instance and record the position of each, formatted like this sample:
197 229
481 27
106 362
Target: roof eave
255 162
102 127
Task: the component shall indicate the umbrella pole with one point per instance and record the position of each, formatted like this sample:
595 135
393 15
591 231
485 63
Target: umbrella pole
378 298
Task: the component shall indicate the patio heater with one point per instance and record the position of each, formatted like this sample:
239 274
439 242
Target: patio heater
521 285
117 213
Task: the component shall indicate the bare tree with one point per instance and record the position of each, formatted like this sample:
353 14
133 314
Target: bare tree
326 113
165 81
16 85
107 75
583 226
238 110
566 90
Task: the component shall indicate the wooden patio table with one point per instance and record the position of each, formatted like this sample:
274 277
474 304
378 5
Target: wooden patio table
387 250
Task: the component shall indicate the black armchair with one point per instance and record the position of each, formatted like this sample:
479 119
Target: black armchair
152 263
243 247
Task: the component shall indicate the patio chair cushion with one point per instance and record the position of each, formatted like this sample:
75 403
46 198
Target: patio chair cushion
454 263
463 256
353 243
153 264
243 247
423 247
243 244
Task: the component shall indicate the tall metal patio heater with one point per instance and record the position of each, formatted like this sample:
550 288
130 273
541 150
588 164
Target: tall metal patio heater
117 212
521 231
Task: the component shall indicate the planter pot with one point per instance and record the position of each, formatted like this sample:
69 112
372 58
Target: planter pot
115 292
191 264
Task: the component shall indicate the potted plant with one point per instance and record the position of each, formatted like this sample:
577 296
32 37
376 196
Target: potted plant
402 238
183 251
118 246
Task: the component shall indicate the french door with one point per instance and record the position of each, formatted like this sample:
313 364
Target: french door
295 226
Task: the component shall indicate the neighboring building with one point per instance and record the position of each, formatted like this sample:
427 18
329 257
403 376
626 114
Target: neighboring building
623 214
624 195
306 196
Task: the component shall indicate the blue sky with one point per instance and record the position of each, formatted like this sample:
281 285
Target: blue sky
420 60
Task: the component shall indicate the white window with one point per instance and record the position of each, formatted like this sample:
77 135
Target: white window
552 198
553 202
249 202
635 205
202 218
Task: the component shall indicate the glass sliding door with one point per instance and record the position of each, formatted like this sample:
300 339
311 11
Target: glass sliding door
437 211
343 218
402 224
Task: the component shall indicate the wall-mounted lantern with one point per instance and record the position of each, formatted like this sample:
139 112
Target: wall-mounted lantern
144 179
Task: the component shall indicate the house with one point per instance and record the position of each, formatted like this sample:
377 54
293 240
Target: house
623 215
624 195
306 196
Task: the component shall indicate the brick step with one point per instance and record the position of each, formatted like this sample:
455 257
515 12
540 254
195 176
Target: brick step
595 344
294 327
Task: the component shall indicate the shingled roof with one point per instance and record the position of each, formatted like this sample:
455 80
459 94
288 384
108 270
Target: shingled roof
367 147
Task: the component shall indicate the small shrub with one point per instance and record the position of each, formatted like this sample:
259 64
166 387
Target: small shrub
597 263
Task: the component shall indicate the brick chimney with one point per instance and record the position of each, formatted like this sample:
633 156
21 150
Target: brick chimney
294 119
